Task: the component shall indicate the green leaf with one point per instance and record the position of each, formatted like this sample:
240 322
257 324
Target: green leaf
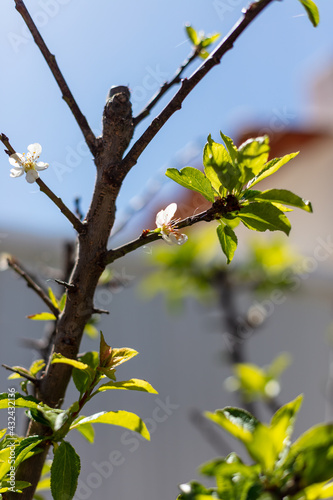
20 401
18 486
194 179
271 167
252 155
203 54
65 471
121 355
36 366
108 373
27 448
87 431
311 455
219 168
192 34
240 423
228 241
42 317
59 358
62 302
52 297
312 11
210 39
263 216
91 331
284 196
134 384
317 491
121 418
283 420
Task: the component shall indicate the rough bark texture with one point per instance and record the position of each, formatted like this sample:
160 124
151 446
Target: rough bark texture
90 263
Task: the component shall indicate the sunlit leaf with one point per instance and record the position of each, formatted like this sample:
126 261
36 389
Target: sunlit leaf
45 316
271 167
312 11
133 384
53 297
193 179
120 418
59 358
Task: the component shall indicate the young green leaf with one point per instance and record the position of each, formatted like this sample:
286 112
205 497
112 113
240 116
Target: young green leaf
133 384
312 11
252 156
193 179
121 418
27 448
65 471
59 358
219 168
18 486
270 168
284 196
206 42
240 423
53 297
231 148
263 216
228 241
36 366
192 34
87 431
42 316
121 355
20 401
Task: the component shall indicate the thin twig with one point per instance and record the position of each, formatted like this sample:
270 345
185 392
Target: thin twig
31 282
52 64
76 223
188 85
144 238
164 88
21 373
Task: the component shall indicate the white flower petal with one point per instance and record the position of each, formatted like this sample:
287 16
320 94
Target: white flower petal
40 165
164 216
35 149
182 238
16 172
31 176
170 211
16 159
167 238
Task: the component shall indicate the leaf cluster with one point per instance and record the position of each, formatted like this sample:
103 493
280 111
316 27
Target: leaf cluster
230 173
88 371
280 469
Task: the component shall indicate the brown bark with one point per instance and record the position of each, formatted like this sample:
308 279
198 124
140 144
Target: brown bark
90 263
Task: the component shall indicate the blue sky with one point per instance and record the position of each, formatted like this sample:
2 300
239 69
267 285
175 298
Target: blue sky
140 44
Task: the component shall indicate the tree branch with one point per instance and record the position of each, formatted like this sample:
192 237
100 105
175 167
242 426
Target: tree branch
188 85
21 373
164 88
31 282
52 64
76 223
143 239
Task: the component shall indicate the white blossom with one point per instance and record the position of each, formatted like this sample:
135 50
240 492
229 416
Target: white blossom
27 163
166 225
